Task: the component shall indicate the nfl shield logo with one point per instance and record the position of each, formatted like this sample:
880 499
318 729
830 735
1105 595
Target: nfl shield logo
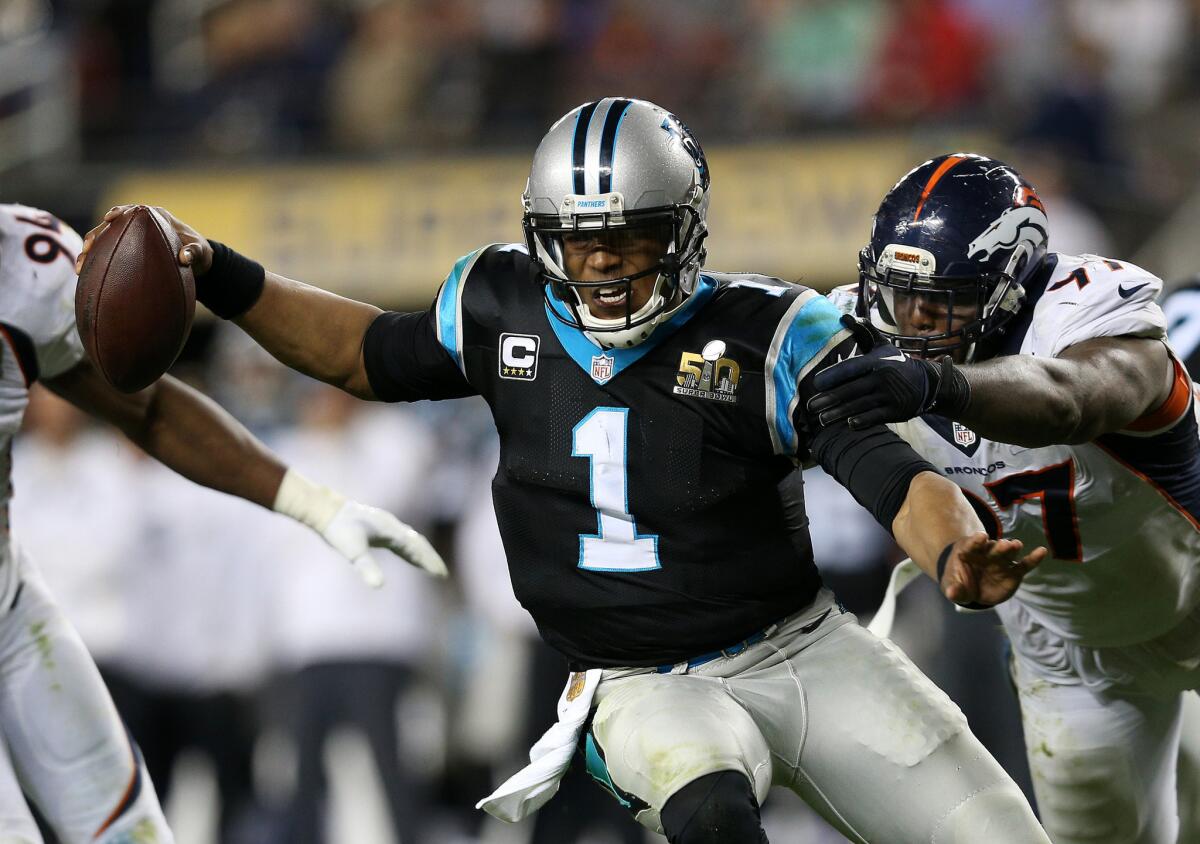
602 368
963 435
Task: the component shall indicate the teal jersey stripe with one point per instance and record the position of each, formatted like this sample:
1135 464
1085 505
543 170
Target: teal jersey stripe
597 768
449 306
811 332
582 350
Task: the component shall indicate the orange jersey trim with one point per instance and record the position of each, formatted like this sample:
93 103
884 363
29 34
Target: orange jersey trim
1150 482
126 798
942 170
20 364
1175 405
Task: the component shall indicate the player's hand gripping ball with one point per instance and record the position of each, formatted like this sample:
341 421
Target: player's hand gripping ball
135 302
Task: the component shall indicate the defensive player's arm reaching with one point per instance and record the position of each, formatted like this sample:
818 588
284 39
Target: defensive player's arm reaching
189 433
1093 387
192 435
181 428
1090 389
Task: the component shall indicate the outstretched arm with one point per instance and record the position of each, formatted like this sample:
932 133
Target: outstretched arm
939 530
1091 388
181 428
191 434
927 514
313 331
306 328
930 518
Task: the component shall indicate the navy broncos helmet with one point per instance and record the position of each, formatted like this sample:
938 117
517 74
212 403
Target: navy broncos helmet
952 247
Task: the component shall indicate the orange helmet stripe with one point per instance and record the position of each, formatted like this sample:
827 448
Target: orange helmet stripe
1028 196
942 169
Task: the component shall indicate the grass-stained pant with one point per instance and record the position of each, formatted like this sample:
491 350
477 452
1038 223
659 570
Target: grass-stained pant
1104 728
832 712
63 743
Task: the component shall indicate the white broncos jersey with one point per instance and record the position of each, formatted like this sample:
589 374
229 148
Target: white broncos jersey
37 327
1120 515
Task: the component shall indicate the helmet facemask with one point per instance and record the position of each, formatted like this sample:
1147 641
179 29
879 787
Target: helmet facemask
598 265
953 247
929 315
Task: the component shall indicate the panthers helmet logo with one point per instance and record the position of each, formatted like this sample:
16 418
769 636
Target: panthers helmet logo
677 128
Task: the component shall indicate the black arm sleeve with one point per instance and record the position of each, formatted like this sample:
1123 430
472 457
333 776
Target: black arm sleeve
405 362
875 464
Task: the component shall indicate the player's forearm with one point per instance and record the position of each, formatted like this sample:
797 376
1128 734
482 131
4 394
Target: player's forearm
934 514
191 434
1092 388
1025 401
313 331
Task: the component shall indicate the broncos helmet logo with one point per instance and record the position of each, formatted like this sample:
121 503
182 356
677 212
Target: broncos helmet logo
1016 225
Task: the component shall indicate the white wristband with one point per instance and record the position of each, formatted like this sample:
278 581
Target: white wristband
306 501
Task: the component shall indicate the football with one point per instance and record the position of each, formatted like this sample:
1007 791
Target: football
134 302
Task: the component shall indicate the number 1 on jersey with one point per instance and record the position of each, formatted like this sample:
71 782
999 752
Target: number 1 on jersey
602 436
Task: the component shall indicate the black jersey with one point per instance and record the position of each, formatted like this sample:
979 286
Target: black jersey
637 489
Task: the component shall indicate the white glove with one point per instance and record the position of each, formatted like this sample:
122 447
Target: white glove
352 529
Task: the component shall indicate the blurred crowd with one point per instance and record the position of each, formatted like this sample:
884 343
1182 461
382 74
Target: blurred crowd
270 76
1099 93
277 699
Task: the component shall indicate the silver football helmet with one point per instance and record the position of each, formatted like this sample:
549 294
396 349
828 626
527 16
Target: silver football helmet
626 181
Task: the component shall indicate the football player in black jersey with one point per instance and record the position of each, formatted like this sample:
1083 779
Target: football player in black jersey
648 411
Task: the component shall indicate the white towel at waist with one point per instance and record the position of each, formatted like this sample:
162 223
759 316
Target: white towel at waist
530 788
902 575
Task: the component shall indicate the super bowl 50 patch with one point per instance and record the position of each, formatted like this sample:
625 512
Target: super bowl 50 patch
708 375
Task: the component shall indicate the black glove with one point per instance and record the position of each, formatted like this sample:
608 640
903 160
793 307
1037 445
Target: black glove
883 384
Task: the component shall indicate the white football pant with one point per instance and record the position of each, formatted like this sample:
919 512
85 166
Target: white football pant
836 714
1102 733
1188 771
63 740
16 824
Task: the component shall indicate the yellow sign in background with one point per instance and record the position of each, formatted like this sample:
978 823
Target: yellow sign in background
389 233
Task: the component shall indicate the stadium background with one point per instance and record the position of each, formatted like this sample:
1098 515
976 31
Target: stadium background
363 145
